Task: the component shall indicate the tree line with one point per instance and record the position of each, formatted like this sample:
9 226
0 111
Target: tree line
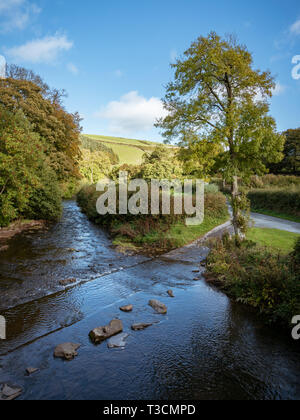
39 147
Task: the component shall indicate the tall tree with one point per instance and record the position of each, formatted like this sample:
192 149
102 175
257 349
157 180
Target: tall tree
28 186
218 98
43 109
291 162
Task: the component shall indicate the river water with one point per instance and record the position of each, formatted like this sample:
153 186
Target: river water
206 347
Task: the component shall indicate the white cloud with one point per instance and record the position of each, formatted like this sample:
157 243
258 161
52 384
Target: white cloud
16 14
279 89
72 68
45 50
295 28
132 113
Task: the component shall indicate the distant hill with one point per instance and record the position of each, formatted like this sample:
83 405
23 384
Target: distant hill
130 151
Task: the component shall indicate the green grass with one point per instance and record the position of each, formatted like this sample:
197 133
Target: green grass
277 240
128 154
178 235
279 215
133 142
130 151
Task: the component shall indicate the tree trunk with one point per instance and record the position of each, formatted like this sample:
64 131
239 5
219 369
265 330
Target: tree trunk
236 211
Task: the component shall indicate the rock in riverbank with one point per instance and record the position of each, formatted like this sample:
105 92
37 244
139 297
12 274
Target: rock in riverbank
100 334
66 351
127 308
8 393
117 342
140 327
31 370
159 307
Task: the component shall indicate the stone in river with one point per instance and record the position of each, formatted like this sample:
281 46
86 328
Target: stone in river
66 351
140 327
100 334
8 393
31 370
118 341
127 308
170 293
159 307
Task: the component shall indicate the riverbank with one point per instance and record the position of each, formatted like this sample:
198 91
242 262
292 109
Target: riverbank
257 276
153 235
17 228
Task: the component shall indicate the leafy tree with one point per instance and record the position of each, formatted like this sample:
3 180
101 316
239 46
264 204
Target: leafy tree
291 162
24 172
219 98
94 165
160 153
48 118
199 156
162 163
97 146
133 171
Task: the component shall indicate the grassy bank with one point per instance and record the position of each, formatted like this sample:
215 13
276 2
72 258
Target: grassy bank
154 234
164 238
278 240
257 276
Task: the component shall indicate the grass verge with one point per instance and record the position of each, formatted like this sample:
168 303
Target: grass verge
258 277
160 239
277 240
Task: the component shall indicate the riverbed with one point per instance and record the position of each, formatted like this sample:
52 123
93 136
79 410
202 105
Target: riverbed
206 347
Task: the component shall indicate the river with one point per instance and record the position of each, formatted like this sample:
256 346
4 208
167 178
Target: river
206 347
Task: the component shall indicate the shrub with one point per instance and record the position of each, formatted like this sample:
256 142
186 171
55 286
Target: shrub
212 188
284 201
274 181
45 201
149 229
255 276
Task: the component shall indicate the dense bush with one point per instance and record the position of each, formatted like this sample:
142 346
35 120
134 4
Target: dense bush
152 230
281 201
45 200
212 188
255 276
274 181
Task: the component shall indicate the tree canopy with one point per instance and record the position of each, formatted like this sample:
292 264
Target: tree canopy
219 101
59 129
28 186
291 161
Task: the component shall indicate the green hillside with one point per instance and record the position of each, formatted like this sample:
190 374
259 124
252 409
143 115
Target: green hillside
130 151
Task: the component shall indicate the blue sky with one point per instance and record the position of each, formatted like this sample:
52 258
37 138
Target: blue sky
113 57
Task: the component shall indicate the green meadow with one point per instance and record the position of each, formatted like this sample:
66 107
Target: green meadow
130 151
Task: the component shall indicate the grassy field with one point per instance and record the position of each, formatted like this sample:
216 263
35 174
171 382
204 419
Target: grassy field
277 240
130 151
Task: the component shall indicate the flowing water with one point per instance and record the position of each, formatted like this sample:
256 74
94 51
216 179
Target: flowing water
206 347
